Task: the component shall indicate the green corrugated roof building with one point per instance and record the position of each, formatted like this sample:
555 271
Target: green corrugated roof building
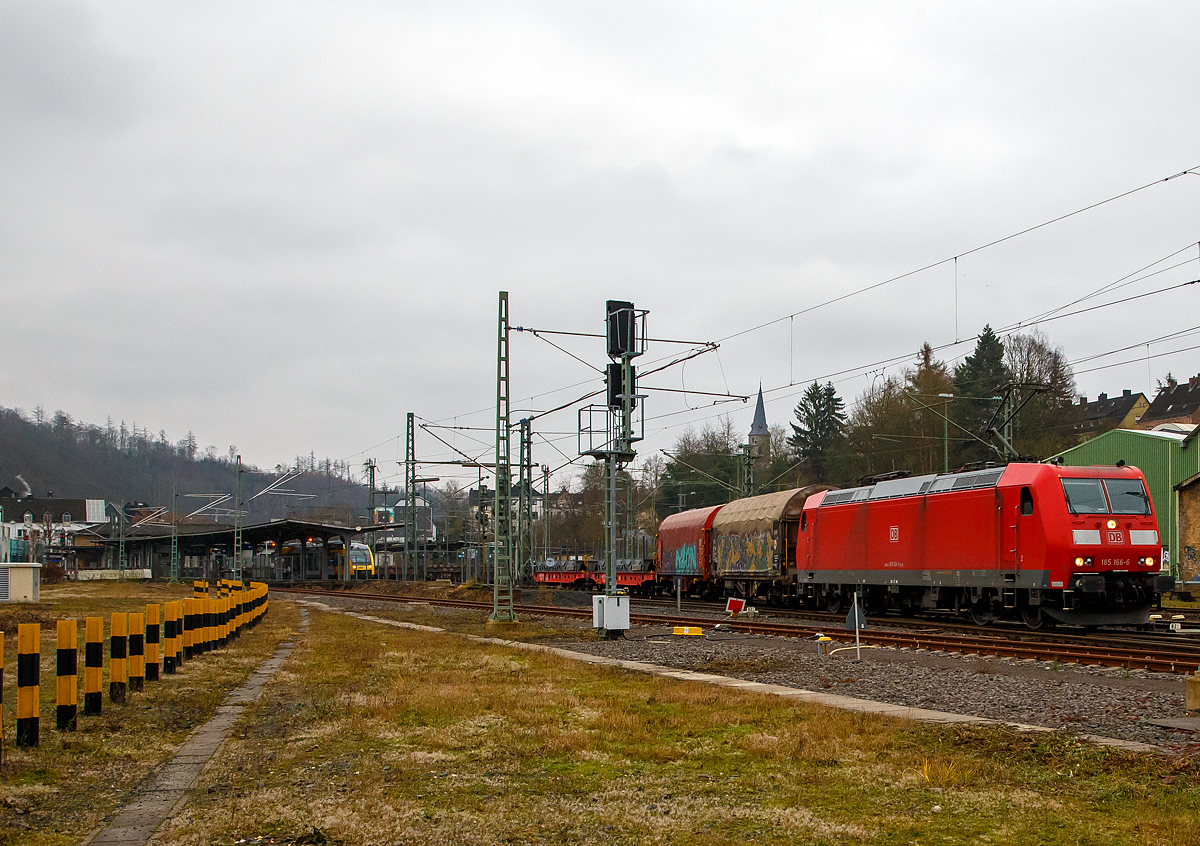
1166 458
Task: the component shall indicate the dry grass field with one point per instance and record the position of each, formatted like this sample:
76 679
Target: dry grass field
376 735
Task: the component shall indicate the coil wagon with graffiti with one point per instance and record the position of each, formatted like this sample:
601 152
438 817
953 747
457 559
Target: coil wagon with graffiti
754 544
685 551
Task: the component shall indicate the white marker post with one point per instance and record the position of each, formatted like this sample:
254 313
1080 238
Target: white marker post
854 619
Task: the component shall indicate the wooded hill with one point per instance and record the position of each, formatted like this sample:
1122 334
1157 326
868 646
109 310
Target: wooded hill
117 464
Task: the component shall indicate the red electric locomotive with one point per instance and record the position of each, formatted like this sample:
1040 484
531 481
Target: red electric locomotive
1036 542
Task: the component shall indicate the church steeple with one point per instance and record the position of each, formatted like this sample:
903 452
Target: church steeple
759 434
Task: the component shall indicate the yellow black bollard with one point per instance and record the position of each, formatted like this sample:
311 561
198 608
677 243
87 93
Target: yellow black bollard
178 650
189 629
210 624
170 638
93 666
205 629
67 701
118 658
137 651
199 590
152 642
239 609
29 676
198 626
183 628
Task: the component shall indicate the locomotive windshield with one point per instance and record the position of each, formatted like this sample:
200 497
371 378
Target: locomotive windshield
1128 496
1087 496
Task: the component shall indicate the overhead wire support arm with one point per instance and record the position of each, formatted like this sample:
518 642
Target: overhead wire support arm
965 430
427 428
725 485
697 393
598 335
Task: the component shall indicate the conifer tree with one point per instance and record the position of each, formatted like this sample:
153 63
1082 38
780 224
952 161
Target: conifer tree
819 426
981 376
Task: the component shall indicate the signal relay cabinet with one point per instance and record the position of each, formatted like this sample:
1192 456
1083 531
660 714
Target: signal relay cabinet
610 612
20 582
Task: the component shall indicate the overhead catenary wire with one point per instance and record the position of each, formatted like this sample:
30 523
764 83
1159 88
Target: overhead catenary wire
1046 317
1192 171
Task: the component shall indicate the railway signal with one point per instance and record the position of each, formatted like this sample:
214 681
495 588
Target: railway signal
610 434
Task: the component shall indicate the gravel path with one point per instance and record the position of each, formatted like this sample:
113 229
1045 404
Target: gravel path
1084 699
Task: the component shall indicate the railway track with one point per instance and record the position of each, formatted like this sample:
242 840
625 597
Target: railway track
945 623
1160 655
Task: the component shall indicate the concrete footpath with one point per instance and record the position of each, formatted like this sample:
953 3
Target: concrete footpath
832 700
160 796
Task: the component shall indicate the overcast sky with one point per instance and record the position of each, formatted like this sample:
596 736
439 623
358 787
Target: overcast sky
284 225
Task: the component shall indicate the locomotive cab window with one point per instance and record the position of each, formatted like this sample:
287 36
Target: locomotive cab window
1085 496
1128 496
803 520
1026 502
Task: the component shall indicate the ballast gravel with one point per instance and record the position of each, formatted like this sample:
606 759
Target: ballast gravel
1076 698
1085 700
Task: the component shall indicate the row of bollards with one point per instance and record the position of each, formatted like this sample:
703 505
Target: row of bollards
190 628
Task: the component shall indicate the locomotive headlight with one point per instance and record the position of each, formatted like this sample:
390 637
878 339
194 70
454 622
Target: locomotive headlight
1149 561
1112 524
1078 562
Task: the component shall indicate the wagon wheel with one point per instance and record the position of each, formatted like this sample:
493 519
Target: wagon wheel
1033 618
980 614
834 602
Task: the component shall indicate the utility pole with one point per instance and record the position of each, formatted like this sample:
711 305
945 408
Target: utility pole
502 592
370 465
410 498
946 432
524 564
1010 412
237 520
745 470
174 534
546 506
121 561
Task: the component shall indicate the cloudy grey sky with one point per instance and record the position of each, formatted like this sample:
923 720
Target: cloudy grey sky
283 225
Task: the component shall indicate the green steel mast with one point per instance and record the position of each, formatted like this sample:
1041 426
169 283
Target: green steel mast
502 591
237 520
524 564
174 534
410 498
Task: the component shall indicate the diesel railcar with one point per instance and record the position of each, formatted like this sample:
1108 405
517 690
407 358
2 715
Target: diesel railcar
1035 542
